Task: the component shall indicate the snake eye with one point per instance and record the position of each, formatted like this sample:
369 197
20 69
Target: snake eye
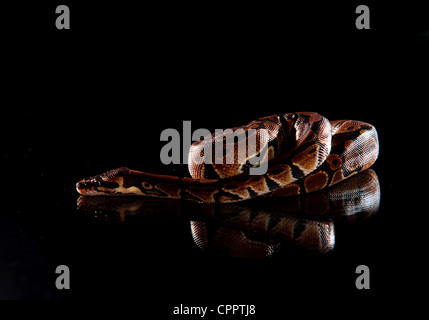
97 183
147 185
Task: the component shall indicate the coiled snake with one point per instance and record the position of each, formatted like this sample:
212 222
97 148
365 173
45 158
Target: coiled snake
306 152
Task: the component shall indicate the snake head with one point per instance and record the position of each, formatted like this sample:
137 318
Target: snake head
102 184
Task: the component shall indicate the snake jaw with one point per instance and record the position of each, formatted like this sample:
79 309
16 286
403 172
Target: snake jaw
108 183
97 186
88 187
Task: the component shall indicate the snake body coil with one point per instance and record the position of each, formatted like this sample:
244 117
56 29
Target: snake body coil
305 151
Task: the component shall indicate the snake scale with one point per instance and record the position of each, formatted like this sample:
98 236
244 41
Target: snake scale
306 152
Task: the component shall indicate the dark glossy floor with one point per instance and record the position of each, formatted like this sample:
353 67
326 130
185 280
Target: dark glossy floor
85 103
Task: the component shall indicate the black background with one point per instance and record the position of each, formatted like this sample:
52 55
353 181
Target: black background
82 101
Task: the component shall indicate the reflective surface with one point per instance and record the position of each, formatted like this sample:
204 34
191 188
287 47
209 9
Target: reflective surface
101 94
260 227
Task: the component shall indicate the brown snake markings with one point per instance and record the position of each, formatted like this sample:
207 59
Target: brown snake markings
306 153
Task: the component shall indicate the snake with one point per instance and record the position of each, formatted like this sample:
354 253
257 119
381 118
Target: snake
305 152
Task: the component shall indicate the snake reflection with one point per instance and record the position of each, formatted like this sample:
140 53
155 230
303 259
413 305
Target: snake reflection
256 228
